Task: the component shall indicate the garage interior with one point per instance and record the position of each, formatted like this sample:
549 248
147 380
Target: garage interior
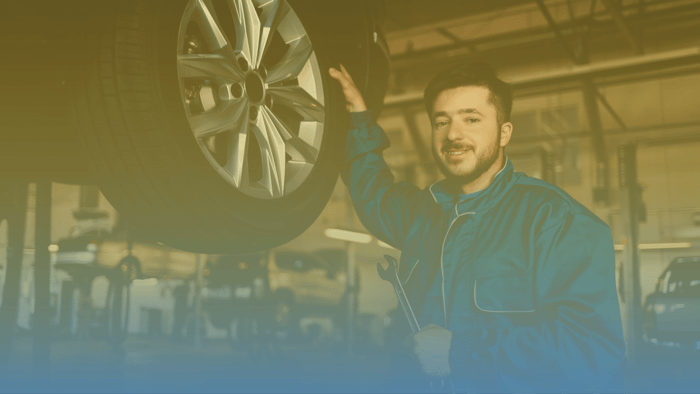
606 98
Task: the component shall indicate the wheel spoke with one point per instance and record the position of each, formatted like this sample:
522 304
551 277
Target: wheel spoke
298 149
247 29
298 99
206 19
273 13
272 148
218 121
213 67
293 61
237 153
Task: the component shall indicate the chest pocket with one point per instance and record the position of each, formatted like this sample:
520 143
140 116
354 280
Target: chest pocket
505 293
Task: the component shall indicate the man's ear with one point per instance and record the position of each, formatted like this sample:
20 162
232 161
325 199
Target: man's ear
506 133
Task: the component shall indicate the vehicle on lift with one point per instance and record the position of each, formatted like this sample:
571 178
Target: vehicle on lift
104 254
272 290
212 126
671 315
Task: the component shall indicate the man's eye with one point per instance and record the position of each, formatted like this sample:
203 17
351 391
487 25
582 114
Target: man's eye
472 120
440 124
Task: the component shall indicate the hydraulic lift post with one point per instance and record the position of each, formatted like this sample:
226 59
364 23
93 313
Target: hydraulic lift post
629 205
13 208
199 284
42 281
351 289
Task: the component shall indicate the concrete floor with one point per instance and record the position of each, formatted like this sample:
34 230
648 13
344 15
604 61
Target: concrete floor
157 365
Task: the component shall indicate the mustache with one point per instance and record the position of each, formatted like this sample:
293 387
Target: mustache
452 146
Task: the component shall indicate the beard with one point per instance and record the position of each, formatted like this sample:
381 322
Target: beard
484 161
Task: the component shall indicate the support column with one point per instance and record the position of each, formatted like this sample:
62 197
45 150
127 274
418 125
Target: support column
42 281
15 211
629 203
351 291
198 300
547 164
601 192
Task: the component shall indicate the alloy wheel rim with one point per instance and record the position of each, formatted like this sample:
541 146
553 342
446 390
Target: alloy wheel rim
251 87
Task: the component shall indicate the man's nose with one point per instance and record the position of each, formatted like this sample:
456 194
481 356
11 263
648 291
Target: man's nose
455 132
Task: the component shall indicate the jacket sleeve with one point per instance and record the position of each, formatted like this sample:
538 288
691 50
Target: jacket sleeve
573 340
384 207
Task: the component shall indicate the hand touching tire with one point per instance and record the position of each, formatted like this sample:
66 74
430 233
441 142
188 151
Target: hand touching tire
353 98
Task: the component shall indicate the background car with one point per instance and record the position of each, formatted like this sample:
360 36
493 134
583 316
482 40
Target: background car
211 126
671 315
279 288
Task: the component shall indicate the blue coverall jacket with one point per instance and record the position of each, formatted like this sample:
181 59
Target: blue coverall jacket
524 274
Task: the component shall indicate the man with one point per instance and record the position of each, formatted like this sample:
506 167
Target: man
511 278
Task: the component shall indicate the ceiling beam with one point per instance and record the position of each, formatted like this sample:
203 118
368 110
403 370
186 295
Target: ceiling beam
557 32
445 32
619 19
610 109
455 50
625 66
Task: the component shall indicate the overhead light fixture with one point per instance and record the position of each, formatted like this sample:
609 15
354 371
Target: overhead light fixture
145 282
53 248
668 245
350 236
658 246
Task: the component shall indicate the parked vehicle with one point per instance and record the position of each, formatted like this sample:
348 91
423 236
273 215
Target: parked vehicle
211 126
277 289
671 315
105 253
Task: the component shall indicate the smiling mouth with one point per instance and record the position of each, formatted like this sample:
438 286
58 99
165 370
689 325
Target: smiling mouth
456 152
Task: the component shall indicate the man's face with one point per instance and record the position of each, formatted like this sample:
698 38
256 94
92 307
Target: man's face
466 134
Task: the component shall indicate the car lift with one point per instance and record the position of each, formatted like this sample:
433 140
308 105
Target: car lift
15 210
631 208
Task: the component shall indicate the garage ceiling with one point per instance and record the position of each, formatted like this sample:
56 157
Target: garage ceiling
408 14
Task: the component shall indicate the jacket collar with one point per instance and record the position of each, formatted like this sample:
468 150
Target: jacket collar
444 193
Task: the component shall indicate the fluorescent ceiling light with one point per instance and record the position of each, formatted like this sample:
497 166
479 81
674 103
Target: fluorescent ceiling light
351 236
658 246
145 282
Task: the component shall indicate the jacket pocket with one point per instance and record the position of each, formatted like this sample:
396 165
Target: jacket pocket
512 293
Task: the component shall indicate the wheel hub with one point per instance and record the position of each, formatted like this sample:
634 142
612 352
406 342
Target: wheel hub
254 88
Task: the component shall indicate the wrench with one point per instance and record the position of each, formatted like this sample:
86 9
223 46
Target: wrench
391 275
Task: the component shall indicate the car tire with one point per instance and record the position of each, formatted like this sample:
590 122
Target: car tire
135 109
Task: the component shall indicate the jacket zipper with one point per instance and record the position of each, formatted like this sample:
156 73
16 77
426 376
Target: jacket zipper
411 273
442 267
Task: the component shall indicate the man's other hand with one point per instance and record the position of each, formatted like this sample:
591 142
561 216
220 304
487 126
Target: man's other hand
353 98
432 347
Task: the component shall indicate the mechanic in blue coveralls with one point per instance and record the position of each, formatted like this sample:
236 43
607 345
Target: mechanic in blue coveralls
512 279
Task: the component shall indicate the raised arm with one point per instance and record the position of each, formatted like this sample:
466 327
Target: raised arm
384 207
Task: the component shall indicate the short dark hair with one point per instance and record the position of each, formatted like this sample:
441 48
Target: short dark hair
472 74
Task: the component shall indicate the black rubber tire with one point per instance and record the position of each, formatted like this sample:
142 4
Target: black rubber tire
151 168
